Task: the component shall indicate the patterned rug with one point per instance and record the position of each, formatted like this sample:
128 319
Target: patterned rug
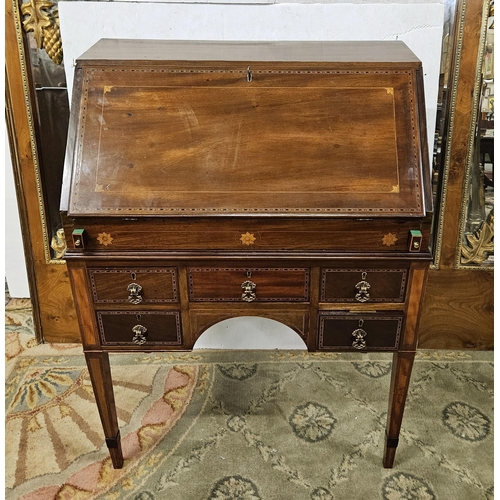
252 425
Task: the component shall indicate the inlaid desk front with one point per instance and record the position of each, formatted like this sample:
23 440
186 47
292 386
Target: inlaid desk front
212 180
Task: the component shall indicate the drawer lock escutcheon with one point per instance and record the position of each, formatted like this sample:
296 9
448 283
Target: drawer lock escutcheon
140 332
248 286
363 286
135 291
359 335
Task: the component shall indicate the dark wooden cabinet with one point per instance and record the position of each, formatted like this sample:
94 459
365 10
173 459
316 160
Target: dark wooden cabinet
207 180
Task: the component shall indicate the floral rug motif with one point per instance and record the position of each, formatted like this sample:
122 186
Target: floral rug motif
244 425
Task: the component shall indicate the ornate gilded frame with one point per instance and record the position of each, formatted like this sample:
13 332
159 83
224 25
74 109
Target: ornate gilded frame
457 53
485 232
41 17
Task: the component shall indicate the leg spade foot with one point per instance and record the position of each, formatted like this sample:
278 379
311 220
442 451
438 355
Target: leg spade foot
100 376
400 379
390 451
115 451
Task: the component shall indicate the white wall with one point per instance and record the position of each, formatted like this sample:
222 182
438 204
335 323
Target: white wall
418 23
15 264
249 332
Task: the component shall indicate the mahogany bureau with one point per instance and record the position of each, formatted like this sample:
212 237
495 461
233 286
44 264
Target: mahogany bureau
208 180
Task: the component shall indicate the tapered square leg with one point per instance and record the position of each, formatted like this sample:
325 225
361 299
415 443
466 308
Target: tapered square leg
100 376
402 365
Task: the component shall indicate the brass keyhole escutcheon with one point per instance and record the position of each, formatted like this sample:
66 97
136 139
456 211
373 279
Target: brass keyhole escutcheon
362 288
248 286
359 335
134 290
140 332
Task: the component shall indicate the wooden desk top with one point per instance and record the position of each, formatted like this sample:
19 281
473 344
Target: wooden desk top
112 51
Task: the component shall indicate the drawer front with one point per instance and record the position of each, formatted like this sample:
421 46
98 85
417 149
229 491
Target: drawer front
140 328
134 285
360 285
250 234
248 285
359 332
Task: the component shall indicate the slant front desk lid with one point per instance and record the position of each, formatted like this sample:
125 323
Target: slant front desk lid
205 128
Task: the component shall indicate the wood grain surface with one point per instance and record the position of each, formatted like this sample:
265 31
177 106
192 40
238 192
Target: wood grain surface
109 51
203 137
457 310
271 234
57 307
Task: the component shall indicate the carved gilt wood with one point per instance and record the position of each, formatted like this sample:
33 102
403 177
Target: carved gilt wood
53 307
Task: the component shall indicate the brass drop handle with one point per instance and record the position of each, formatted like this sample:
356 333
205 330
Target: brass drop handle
362 287
134 290
248 286
140 332
359 335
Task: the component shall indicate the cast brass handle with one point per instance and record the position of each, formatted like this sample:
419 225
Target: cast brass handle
363 286
248 286
135 291
140 332
359 335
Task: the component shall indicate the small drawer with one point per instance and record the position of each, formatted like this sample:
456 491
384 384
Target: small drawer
248 285
359 332
140 328
134 285
361 285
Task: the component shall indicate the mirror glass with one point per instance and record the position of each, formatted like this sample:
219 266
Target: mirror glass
51 114
475 244
477 230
